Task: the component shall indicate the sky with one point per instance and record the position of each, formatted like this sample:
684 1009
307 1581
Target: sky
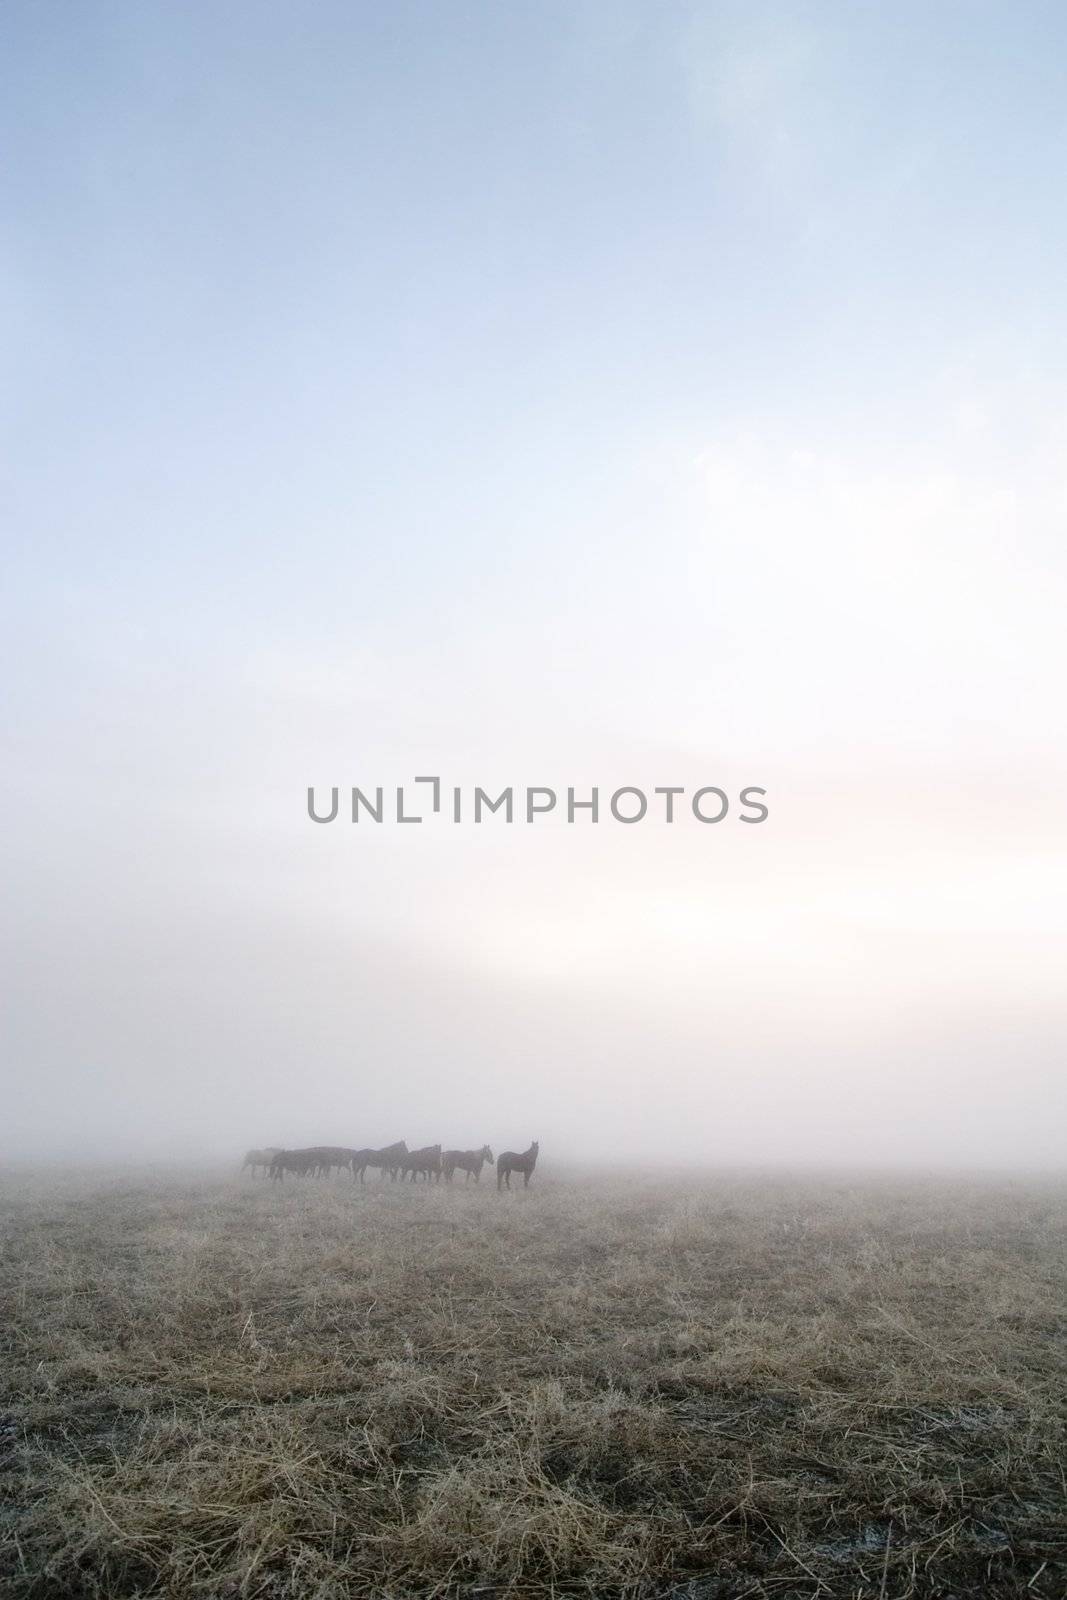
566 395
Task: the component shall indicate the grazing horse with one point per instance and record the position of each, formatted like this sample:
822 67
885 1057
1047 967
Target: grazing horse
427 1161
260 1158
388 1159
509 1162
301 1161
472 1162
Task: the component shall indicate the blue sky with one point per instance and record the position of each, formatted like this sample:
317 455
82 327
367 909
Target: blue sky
535 393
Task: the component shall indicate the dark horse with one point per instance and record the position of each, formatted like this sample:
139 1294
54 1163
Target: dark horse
302 1161
389 1159
427 1161
509 1161
472 1162
327 1156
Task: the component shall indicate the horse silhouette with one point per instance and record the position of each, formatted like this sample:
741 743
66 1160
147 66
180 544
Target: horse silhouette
510 1161
388 1158
427 1161
299 1161
327 1156
472 1162
260 1158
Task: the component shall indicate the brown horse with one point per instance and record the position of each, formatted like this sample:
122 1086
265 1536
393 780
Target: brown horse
427 1161
327 1156
260 1158
509 1161
301 1161
388 1158
472 1162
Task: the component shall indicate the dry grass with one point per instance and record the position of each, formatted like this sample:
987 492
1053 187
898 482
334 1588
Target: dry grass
701 1388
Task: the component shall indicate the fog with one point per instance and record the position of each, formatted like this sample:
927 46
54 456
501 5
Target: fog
555 397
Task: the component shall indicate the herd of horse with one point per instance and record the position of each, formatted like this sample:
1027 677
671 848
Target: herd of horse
395 1161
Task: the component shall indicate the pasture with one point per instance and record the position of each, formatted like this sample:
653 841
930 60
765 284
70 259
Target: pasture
696 1386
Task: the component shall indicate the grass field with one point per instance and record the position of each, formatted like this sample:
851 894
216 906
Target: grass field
690 1387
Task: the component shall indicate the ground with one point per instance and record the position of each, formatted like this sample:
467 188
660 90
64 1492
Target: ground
698 1387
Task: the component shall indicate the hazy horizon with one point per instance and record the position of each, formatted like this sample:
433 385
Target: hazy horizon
549 395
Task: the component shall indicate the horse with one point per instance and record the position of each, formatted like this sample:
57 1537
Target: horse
472 1162
327 1156
360 1162
388 1159
260 1158
301 1161
427 1161
509 1161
